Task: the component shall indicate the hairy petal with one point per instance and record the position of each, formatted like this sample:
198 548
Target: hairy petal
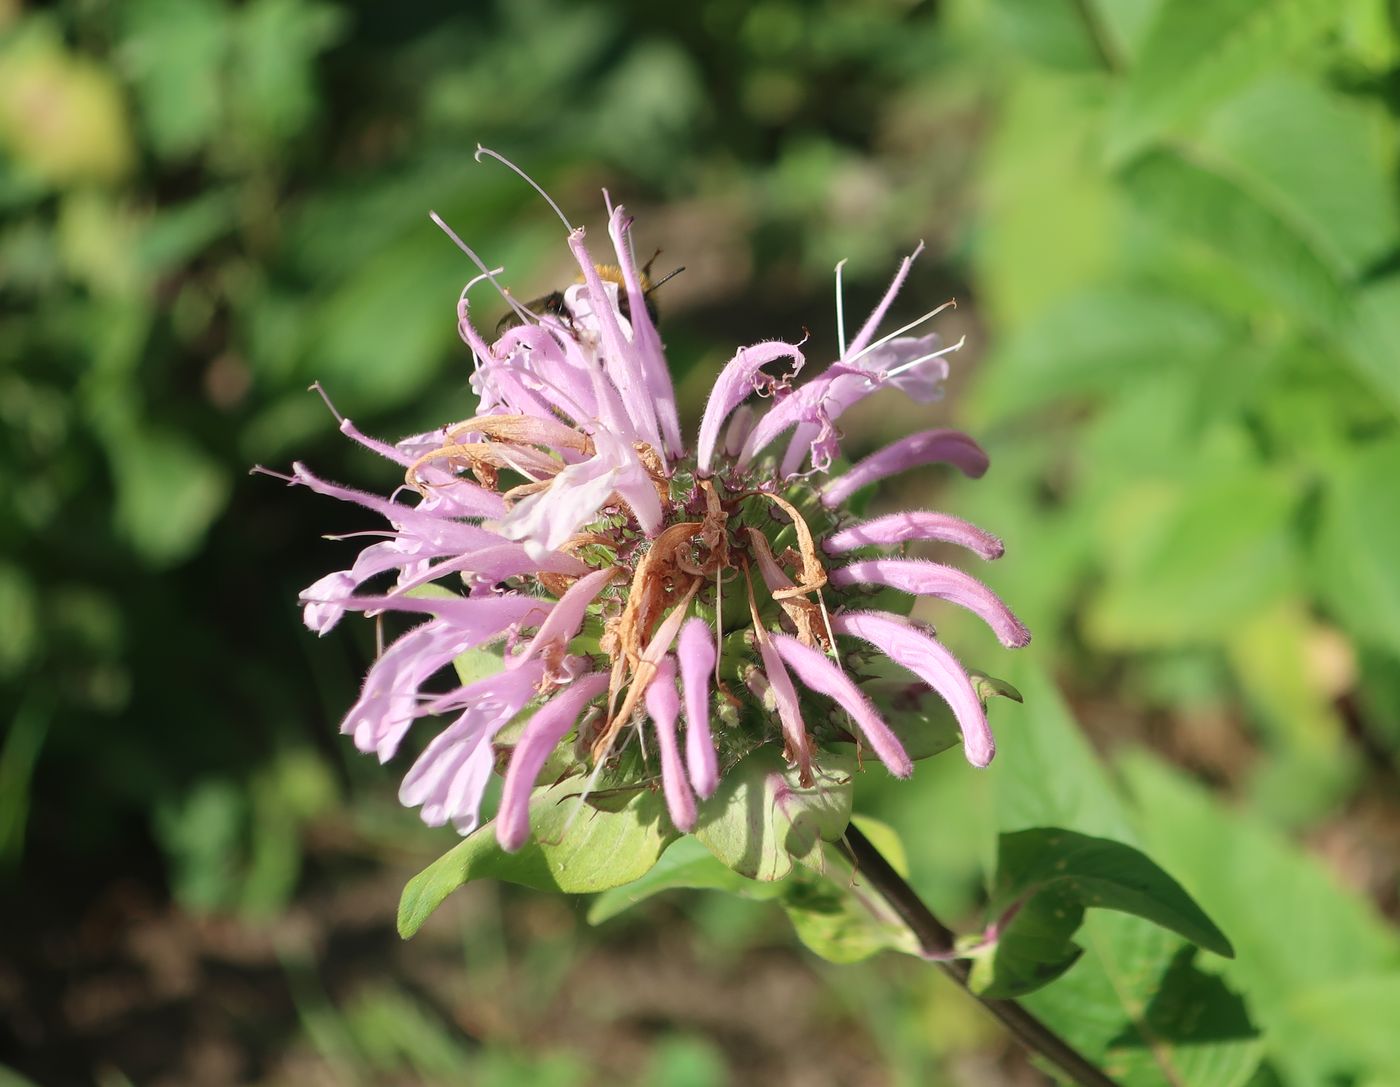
934 579
915 451
785 696
323 599
449 777
930 660
821 674
544 732
663 707
645 340
566 617
872 323
898 528
696 653
740 377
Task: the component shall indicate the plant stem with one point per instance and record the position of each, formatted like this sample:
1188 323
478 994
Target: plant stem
936 939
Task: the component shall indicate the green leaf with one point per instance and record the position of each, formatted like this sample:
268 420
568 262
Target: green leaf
1357 1016
1047 878
1052 222
762 817
685 864
1208 553
168 492
1051 776
1338 195
174 51
1296 931
1358 544
1174 1022
574 848
1205 200
1091 343
1052 32
1196 55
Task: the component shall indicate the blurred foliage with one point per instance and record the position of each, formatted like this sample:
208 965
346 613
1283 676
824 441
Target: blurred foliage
1178 227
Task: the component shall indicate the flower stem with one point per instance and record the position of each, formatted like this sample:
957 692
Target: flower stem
936 939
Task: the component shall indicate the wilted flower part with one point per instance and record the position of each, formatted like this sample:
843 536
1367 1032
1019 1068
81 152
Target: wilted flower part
671 609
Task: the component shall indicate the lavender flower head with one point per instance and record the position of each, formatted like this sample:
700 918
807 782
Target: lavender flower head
649 607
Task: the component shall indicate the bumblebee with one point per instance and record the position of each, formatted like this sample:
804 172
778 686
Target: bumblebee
555 305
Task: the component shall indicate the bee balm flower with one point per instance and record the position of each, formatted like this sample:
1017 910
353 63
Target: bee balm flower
622 584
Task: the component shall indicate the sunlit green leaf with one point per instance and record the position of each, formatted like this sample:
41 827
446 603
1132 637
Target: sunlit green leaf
762 817
574 847
1195 55
1046 879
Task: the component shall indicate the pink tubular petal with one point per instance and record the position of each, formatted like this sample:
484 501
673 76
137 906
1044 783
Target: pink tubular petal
872 323
644 336
927 658
735 382
543 733
466 499
322 599
789 710
468 616
897 528
449 777
618 354
819 673
934 579
566 617
740 427
430 526
915 451
696 653
663 707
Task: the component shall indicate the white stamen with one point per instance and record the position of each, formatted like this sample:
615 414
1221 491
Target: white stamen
924 358
900 331
840 311
461 298
528 180
511 464
315 387
521 311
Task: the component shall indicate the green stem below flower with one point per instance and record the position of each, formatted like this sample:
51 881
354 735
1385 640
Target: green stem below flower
937 941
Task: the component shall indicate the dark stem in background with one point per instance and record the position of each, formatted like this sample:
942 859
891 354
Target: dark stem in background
936 939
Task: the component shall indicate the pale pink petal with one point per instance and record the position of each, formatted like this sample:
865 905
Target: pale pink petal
696 653
432 527
545 520
449 495
448 778
489 565
821 674
914 451
645 340
624 367
740 377
542 735
897 528
872 323
741 425
934 579
785 698
323 607
663 707
930 660
566 617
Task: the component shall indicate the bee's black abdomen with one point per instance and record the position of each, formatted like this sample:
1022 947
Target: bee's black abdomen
551 305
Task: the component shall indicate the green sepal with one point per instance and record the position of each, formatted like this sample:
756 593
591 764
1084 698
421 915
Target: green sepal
762 817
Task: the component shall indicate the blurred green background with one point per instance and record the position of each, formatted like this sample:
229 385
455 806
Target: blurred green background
1173 228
